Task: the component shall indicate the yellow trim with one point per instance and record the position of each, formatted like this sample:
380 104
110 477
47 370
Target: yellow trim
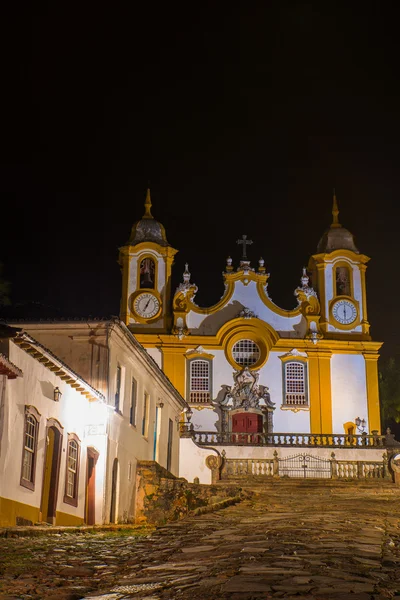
338 325
66 519
134 314
350 425
320 391
353 256
293 357
196 355
349 267
364 321
155 261
230 280
371 374
245 333
11 509
174 366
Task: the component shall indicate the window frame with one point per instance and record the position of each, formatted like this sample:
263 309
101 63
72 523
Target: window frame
189 390
292 405
133 403
30 412
72 500
340 264
118 385
145 414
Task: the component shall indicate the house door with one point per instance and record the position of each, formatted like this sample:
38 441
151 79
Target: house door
246 423
51 475
114 492
90 513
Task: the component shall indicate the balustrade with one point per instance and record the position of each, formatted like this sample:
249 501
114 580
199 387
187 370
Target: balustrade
301 440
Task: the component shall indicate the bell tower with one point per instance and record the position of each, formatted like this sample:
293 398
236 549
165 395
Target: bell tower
146 262
338 275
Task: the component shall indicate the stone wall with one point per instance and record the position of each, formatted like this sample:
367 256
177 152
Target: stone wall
161 497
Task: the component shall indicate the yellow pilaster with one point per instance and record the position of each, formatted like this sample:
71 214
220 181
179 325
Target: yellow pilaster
371 375
174 365
319 365
322 295
364 323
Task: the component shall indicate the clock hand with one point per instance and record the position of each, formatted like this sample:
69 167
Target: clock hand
147 303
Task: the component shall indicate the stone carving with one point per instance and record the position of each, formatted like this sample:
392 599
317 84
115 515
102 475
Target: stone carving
307 296
185 292
246 392
246 313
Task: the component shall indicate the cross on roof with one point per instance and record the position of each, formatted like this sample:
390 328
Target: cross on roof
244 242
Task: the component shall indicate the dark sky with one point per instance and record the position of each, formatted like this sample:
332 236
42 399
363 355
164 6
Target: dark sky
243 120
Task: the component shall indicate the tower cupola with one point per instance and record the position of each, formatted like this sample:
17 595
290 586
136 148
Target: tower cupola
148 229
336 237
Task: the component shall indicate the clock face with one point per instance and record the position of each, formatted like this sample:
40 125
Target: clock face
146 305
344 312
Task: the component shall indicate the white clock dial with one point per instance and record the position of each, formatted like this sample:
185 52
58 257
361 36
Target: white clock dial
146 305
344 312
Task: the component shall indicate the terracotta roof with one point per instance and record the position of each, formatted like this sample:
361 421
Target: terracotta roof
8 368
55 364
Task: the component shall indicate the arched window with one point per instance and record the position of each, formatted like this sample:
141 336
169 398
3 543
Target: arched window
30 447
147 273
72 470
343 281
199 381
295 384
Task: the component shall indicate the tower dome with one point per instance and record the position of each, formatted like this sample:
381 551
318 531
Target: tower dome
336 237
148 229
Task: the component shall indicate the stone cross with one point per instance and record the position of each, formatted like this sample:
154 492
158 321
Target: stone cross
245 242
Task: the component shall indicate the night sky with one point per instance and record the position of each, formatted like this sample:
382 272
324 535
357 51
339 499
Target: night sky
242 119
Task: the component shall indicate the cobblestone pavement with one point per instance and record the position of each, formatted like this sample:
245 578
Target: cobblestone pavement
287 540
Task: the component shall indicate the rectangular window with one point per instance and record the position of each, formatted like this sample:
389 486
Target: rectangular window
118 389
132 411
71 479
169 449
200 381
295 384
145 411
28 459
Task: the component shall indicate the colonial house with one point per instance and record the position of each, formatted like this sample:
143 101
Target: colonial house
120 409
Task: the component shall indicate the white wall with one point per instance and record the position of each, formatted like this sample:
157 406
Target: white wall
349 391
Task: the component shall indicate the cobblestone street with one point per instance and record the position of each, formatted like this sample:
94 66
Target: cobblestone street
294 539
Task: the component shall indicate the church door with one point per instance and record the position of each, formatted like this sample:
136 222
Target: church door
246 423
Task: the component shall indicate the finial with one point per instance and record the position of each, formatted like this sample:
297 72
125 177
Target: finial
186 274
335 211
304 278
147 206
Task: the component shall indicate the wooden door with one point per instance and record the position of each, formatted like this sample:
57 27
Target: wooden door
246 423
51 475
90 513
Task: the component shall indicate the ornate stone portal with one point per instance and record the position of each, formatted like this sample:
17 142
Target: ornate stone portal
246 394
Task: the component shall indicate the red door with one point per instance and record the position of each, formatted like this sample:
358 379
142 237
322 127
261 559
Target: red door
246 423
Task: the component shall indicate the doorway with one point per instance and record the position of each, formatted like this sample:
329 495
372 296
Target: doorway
90 511
114 492
246 423
51 472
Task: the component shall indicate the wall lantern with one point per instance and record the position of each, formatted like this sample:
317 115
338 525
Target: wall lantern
57 394
189 414
360 424
160 404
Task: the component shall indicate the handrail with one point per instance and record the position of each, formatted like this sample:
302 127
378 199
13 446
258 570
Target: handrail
327 440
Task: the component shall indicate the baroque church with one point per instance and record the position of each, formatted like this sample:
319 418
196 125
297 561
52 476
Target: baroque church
245 365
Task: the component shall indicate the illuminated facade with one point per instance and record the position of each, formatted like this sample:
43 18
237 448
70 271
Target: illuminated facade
245 364
133 416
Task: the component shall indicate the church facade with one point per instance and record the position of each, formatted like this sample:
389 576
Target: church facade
245 365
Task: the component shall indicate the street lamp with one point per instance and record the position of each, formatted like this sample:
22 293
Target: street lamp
360 424
57 394
189 414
